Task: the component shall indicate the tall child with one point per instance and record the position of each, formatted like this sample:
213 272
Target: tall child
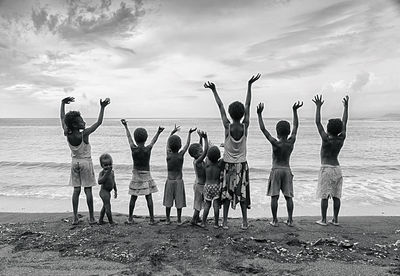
236 186
196 151
142 183
281 177
174 187
330 178
82 173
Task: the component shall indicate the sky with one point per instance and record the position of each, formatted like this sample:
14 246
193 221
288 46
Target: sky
151 58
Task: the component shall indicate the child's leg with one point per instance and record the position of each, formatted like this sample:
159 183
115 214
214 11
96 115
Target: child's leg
226 203
132 203
195 218
168 214
274 208
216 212
243 206
102 213
179 214
324 208
106 197
207 206
289 207
336 208
89 201
149 200
75 202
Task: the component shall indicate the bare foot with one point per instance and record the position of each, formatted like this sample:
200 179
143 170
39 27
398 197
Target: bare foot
320 222
289 223
274 223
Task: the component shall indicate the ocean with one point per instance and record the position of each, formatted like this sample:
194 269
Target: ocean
35 165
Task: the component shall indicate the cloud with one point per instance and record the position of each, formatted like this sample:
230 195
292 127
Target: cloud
360 81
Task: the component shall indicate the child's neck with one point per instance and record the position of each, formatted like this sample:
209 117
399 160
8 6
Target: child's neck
140 144
236 122
282 138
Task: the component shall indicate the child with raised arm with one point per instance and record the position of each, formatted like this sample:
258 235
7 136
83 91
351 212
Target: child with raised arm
82 173
235 186
196 151
142 183
212 188
107 182
330 178
281 177
174 187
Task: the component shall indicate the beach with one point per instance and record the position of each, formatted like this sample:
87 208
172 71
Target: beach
47 244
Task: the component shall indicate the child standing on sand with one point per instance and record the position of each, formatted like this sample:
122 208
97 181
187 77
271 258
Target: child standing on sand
212 188
174 187
236 186
142 183
107 182
330 178
281 177
196 151
82 173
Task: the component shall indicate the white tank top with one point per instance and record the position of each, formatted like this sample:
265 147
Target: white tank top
235 150
82 151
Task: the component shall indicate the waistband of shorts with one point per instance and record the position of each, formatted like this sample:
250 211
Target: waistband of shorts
329 166
140 171
281 167
81 159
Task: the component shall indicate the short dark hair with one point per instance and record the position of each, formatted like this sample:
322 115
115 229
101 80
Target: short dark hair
70 119
105 156
213 154
283 128
140 135
194 148
335 126
236 110
174 143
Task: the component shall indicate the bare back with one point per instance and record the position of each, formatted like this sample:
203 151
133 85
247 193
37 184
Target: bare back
213 171
330 150
236 130
174 165
281 152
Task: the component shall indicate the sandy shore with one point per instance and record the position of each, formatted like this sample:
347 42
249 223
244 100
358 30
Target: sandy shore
47 244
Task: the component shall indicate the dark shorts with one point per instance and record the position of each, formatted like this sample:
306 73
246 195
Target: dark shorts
280 179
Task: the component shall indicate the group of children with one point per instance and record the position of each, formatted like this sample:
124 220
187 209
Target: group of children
219 181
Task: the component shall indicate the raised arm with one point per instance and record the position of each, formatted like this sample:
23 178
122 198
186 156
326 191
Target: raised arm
345 115
128 133
221 108
155 138
99 121
184 149
318 103
246 119
65 101
267 135
199 132
295 107
204 154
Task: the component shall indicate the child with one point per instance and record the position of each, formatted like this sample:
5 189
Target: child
174 187
196 151
212 188
142 183
82 173
107 182
235 187
281 177
330 178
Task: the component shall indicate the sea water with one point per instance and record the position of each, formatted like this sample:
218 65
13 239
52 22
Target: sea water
35 165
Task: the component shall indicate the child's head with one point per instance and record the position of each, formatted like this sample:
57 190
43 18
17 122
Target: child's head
283 128
174 143
236 110
334 127
213 154
195 150
106 161
140 135
73 120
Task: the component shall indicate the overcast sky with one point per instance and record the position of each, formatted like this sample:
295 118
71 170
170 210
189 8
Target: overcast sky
152 57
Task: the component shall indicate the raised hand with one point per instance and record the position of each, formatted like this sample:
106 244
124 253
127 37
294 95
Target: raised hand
210 85
346 101
176 129
199 132
297 105
192 130
260 108
105 102
68 100
318 100
160 129
124 122
254 78
204 134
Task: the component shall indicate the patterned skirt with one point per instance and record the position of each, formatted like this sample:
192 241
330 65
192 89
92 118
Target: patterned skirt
235 183
142 183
